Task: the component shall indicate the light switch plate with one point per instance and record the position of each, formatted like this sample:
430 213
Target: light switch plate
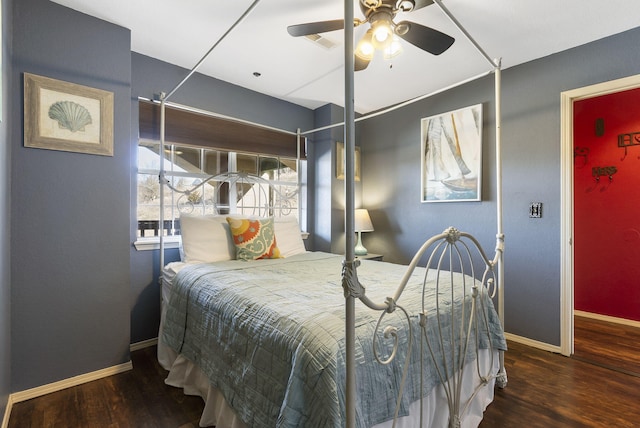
535 210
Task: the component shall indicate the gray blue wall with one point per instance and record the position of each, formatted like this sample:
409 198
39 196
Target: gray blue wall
5 211
531 160
70 283
326 227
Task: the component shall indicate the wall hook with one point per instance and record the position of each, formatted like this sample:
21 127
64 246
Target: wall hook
582 152
598 171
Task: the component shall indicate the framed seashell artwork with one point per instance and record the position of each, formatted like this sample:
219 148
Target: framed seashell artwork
65 116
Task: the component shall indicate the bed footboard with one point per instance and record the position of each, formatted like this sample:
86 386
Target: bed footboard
442 340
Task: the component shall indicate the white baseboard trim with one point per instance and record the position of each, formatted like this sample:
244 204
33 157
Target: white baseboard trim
38 391
607 318
143 344
533 343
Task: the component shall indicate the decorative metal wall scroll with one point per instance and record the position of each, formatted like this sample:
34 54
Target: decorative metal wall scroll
628 140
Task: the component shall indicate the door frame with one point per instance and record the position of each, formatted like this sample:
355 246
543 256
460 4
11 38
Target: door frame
567 99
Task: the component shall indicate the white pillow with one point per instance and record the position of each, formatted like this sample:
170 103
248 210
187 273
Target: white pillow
206 238
288 237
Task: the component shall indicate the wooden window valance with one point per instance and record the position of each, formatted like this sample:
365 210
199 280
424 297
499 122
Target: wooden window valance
202 130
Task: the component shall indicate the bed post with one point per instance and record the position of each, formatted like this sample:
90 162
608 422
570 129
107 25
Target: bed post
501 379
162 181
500 233
299 174
349 143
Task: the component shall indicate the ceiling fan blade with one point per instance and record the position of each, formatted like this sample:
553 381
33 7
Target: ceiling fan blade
360 63
427 39
315 27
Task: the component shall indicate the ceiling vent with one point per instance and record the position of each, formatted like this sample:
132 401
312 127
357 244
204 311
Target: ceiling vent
317 39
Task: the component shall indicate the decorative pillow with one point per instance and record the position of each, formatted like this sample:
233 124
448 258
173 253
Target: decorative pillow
206 238
254 238
289 236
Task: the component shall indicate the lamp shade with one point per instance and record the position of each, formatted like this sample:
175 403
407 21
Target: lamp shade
362 221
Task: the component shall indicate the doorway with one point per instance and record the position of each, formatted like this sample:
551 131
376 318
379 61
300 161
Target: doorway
569 100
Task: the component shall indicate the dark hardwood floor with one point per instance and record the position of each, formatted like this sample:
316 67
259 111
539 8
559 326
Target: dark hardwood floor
137 399
615 346
544 390
550 390
599 386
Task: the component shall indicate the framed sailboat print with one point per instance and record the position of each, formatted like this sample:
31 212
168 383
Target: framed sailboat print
451 156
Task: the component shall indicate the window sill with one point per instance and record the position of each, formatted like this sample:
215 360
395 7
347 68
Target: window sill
146 244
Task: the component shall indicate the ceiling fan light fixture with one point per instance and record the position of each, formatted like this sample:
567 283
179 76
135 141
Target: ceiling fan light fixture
394 49
365 48
382 34
402 28
405 5
371 4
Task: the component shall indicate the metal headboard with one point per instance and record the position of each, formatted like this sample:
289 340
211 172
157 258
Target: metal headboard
236 192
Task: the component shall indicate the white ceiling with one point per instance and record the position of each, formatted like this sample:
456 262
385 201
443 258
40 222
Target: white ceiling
297 70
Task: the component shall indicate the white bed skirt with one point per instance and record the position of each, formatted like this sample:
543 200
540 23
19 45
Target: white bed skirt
186 375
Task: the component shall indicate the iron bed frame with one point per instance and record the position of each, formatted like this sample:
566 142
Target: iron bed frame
450 247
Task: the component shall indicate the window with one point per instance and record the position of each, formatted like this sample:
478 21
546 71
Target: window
187 166
204 145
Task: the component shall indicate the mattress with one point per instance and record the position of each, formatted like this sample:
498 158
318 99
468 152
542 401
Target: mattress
270 303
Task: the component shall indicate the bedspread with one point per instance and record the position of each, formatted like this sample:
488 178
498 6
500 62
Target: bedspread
269 335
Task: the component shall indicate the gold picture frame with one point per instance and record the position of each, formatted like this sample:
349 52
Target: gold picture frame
340 162
65 116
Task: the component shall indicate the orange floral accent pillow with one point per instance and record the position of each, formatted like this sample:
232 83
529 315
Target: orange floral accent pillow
254 238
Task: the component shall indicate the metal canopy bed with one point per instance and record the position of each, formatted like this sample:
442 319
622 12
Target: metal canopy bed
423 351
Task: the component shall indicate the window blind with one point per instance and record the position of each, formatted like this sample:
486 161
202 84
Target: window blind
202 130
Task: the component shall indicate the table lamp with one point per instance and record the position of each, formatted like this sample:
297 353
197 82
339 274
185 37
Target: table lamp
362 223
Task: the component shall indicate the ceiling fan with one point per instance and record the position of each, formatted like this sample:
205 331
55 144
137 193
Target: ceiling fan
384 32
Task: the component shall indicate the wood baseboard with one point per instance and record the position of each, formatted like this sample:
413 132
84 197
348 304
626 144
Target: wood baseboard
533 343
7 413
38 391
607 318
74 381
143 344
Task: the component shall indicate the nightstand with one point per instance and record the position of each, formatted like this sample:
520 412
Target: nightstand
371 256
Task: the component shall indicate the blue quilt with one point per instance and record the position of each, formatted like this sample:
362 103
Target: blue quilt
269 334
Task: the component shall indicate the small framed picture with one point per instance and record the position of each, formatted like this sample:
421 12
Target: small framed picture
341 162
65 116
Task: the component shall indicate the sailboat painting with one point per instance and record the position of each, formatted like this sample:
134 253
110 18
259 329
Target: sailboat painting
452 156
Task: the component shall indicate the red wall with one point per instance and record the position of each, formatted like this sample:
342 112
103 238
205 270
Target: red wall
607 212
